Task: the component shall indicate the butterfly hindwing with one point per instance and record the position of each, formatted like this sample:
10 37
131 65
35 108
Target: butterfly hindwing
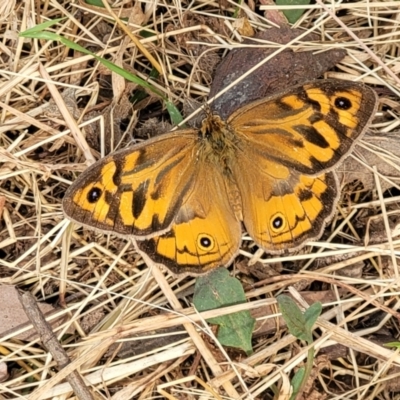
281 212
205 233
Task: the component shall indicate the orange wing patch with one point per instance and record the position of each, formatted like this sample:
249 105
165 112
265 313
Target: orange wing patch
205 234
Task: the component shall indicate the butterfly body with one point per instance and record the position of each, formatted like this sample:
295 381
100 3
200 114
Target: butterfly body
184 195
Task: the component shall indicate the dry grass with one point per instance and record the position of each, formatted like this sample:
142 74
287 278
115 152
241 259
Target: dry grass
60 110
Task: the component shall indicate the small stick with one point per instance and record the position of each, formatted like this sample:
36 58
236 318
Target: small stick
51 343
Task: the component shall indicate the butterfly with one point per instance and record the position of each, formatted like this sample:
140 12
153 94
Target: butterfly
185 195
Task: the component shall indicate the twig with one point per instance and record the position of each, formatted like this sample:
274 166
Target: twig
50 341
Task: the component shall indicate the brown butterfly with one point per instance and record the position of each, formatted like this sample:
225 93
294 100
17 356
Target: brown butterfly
183 195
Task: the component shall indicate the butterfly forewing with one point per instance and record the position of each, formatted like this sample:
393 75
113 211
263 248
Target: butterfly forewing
309 128
136 191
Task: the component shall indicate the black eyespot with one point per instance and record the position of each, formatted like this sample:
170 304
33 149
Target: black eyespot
278 222
343 103
205 242
94 195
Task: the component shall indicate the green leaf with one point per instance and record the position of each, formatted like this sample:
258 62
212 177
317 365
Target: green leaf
392 344
292 15
97 3
300 325
296 382
174 113
311 315
146 34
294 318
142 94
40 27
217 289
237 9
38 33
111 66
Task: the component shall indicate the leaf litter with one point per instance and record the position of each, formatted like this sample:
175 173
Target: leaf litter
60 109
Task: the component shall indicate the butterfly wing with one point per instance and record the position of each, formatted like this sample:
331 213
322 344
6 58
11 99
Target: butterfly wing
288 144
283 211
308 128
205 233
136 191
164 192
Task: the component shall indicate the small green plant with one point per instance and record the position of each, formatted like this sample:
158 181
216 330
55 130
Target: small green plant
39 32
300 325
218 289
294 14
391 345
